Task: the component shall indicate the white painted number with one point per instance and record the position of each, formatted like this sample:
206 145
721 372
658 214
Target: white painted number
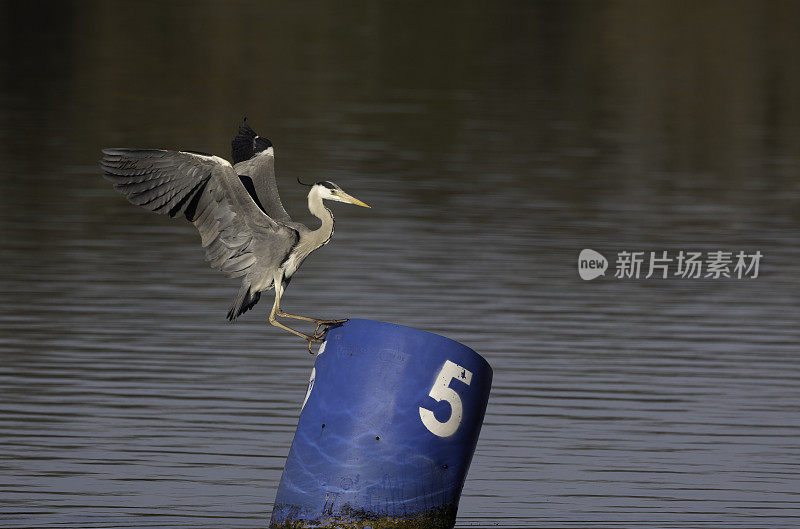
440 391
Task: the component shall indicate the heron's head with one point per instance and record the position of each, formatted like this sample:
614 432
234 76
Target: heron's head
329 191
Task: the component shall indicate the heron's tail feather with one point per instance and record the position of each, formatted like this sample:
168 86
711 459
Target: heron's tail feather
244 301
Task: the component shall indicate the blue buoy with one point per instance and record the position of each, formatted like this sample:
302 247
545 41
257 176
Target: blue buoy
387 431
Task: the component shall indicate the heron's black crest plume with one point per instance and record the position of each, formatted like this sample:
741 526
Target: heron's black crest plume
329 185
247 143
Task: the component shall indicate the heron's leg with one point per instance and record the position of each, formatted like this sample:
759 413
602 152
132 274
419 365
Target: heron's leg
276 323
277 308
320 322
310 339
282 314
276 311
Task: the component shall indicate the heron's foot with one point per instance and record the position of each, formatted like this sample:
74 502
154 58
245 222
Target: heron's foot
297 333
320 334
311 340
325 325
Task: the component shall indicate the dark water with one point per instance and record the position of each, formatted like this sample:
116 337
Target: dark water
494 143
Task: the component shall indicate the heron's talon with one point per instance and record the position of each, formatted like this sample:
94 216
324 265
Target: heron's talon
320 334
313 339
327 324
333 322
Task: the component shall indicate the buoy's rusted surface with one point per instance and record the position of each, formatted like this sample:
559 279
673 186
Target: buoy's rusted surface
349 518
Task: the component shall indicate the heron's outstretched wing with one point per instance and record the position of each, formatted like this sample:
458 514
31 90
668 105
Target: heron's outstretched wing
254 160
238 237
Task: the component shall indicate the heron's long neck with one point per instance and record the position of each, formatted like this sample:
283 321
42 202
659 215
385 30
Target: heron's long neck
321 235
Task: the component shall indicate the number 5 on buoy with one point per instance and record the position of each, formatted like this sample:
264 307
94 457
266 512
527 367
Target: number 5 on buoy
440 391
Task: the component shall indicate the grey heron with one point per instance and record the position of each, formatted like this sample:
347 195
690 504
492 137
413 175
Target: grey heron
244 228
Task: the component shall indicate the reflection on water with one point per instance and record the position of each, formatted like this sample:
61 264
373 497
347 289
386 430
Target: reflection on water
494 142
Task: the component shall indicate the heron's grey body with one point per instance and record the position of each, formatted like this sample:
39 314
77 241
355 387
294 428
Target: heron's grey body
291 246
244 228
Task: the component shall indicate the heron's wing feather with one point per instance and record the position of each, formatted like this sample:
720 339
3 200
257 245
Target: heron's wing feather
258 174
255 162
238 237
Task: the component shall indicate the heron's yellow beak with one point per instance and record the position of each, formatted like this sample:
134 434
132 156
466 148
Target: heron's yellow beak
344 197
